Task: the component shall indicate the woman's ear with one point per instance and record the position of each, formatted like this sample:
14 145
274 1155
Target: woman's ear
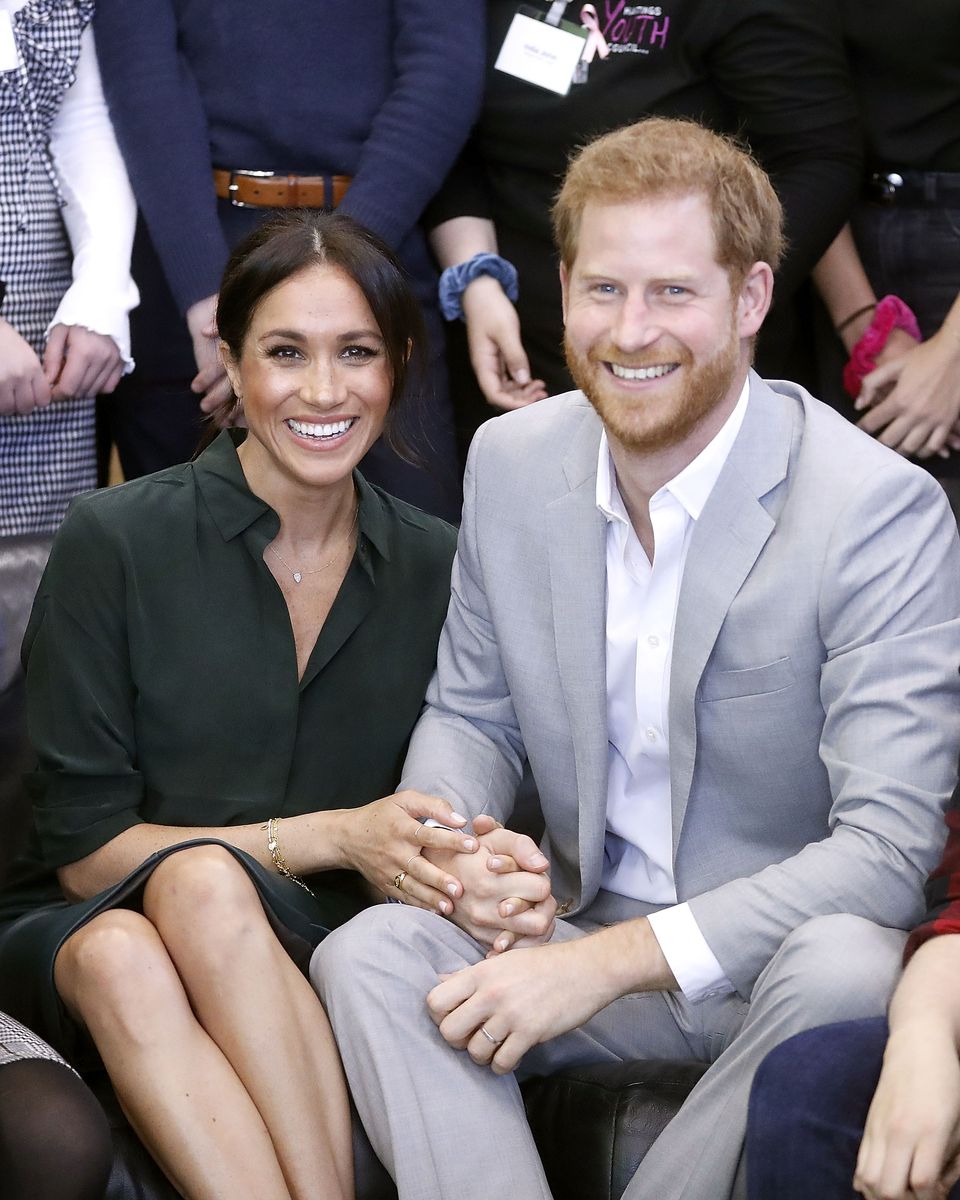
231 368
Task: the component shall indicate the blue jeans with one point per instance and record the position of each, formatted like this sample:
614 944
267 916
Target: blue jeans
807 1111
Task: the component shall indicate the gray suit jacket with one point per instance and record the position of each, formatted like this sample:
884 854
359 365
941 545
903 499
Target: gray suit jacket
814 718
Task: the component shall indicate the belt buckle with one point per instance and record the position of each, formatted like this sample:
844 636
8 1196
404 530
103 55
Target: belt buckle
233 187
887 184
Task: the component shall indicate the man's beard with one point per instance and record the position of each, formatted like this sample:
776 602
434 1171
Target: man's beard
651 426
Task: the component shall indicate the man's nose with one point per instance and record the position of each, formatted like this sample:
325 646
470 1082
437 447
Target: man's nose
636 326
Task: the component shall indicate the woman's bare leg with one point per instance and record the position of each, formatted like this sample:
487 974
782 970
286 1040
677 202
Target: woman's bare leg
176 1086
260 1010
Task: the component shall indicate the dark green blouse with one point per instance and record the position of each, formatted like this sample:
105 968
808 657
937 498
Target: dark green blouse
162 673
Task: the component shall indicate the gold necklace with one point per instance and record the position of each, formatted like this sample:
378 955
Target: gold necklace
298 575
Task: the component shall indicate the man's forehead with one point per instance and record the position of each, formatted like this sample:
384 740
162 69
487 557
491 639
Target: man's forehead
682 219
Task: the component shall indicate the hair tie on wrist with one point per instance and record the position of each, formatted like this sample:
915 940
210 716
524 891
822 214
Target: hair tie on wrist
853 316
454 281
891 314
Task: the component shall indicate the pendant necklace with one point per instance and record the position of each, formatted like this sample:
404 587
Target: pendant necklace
298 575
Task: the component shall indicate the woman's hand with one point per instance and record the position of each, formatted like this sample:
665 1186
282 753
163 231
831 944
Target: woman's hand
499 360
79 362
913 397
23 385
912 1136
385 839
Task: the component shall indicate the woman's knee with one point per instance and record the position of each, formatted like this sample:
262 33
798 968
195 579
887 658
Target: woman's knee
200 882
110 961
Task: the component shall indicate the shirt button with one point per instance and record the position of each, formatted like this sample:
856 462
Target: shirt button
653 640
651 734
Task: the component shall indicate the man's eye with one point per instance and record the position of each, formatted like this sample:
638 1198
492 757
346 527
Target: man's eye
605 289
674 290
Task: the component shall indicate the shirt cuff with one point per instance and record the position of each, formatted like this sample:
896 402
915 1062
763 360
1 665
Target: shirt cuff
691 960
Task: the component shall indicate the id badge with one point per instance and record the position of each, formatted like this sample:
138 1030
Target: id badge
9 55
541 54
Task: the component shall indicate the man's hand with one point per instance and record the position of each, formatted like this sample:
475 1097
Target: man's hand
23 385
79 362
912 1136
497 1009
506 897
499 360
210 382
912 399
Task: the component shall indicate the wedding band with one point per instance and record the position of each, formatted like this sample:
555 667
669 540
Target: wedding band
490 1038
398 880
410 860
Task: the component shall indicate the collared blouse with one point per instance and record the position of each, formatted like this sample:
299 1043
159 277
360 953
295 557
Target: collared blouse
162 673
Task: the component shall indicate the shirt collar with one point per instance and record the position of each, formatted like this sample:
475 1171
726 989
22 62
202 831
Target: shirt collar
691 486
234 508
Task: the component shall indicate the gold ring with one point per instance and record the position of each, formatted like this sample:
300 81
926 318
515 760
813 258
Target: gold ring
398 880
410 860
490 1037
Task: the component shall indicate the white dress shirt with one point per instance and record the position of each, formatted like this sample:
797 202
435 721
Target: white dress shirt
641 608
100 212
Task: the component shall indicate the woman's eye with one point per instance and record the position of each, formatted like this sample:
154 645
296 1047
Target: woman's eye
358 353
284 352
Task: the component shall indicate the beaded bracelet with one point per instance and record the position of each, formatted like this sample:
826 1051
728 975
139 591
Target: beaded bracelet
454 281
279 862
891 313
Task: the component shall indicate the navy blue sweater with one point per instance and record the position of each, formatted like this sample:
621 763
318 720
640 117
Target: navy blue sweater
383 90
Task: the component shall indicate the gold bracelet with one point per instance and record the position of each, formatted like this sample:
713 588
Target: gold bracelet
279 862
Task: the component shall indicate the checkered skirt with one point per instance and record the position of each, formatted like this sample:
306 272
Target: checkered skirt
17 1042
47 456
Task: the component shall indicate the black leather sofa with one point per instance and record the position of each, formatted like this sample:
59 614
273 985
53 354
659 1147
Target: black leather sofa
592 1125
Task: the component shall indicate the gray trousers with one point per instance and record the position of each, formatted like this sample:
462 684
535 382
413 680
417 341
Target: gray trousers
448 1129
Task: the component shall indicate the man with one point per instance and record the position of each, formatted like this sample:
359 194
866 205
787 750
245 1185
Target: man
723 627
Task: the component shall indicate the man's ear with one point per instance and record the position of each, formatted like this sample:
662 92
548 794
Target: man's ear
564 284
756 296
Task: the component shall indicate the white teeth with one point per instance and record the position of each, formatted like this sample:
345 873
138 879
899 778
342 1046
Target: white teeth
641 372
333 429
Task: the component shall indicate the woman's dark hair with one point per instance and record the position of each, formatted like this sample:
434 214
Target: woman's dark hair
293 241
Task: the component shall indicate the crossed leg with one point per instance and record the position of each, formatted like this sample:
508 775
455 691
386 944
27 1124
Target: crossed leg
217 1047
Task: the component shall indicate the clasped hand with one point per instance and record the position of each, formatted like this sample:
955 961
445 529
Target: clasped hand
76 362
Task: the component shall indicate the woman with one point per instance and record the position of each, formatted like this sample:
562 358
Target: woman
239 646
66 227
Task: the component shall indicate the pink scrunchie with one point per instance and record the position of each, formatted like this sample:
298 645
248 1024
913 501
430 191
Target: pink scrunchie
891 313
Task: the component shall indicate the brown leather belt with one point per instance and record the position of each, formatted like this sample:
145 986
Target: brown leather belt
266 189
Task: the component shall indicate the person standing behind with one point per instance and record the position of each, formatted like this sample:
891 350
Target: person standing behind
771 70
899 258
229 109
66 227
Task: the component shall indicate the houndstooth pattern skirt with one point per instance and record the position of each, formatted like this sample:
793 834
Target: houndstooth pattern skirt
17 1042
48 456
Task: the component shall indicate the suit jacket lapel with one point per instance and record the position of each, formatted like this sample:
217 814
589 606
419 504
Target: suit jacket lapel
727 539
577 555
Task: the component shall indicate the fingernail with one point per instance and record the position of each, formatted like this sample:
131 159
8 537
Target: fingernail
455 816
522 376
494 863
503 943
469 844
507 910
452 889
538 861
444 906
